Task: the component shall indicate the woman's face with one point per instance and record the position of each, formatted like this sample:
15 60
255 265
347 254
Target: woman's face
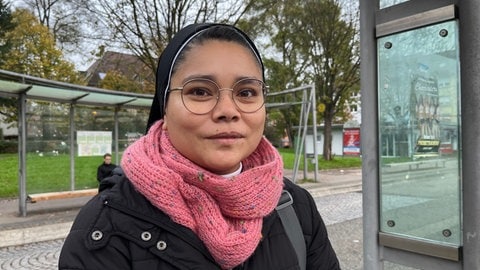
219 140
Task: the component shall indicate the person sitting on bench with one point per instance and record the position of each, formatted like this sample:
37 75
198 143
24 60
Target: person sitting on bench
105 169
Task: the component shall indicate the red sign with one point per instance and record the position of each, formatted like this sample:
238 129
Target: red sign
351 141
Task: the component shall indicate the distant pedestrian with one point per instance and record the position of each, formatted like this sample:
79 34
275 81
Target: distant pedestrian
106 168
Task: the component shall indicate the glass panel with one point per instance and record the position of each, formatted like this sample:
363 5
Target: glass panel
393 266
99 124
48 142
94 118
48 153
419 120
132 125
389 3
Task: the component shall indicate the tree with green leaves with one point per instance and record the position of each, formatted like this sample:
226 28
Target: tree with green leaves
335 62
7 105
6 25
313 42
33 52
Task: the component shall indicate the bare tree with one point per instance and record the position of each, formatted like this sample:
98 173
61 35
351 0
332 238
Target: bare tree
145 27
64 18
140 27
71 24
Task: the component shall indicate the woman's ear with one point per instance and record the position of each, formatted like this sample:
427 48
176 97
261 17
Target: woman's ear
164 126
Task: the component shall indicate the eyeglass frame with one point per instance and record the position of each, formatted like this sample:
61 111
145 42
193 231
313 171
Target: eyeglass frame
265 89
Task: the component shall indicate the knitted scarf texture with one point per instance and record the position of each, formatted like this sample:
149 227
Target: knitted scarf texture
226 214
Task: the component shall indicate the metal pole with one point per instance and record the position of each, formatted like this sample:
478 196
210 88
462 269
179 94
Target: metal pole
470 128
369 135
22 154
72 146
299 144
314 119
305 131
115 138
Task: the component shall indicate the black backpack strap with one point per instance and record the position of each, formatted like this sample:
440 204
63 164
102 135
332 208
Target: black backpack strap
292 227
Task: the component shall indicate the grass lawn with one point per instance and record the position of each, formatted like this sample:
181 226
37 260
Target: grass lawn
47 173
338 162
52 173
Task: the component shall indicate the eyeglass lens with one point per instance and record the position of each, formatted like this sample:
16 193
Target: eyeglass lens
200 96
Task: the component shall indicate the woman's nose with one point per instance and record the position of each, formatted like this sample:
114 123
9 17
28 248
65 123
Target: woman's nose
226 94
226 105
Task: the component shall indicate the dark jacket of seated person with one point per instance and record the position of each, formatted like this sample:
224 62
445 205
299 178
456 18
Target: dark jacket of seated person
106 168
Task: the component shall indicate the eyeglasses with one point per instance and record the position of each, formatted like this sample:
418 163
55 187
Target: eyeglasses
200 96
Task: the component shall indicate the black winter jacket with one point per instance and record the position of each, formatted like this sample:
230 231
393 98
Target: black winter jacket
105 170
119 229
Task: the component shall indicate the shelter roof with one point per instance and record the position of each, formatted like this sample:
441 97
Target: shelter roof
15 84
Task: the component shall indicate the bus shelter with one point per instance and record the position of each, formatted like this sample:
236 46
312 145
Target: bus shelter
60 118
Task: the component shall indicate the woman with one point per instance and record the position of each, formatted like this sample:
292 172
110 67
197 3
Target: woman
200 188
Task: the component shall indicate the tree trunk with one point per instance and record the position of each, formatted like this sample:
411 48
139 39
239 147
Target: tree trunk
327 137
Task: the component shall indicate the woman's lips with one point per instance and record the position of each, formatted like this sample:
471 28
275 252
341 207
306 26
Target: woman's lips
226 135
226 138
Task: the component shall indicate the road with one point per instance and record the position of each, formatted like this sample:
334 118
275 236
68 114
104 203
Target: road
424 203
342 214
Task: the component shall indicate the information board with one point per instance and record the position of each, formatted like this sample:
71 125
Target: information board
94 143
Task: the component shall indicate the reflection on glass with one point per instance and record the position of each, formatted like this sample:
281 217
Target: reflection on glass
389 3
394 266
49 146
132 124
47 159
418 73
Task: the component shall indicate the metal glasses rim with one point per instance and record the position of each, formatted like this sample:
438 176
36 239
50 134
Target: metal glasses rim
265 89
265 86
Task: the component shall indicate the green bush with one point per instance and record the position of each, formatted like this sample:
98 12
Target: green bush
8 147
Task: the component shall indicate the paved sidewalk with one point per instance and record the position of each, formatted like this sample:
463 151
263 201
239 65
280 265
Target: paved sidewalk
50 220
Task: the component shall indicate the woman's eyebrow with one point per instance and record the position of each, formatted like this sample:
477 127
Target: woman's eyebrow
213 77
198 76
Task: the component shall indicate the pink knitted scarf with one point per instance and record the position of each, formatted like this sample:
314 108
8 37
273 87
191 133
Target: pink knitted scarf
226 214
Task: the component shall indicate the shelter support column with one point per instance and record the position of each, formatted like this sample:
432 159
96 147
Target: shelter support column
369 141
22 153
470 100
115 134
72 146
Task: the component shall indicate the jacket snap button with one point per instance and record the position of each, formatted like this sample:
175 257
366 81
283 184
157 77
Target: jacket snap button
97 235
161 245
146 236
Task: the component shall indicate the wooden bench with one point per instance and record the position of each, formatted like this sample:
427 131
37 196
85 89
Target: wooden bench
33 198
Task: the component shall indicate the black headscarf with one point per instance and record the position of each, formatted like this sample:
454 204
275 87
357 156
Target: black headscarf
166 61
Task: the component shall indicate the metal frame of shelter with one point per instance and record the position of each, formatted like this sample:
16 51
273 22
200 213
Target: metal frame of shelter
399 17
25 87
308 105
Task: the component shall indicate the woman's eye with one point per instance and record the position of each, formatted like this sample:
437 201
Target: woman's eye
247 92
199 91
